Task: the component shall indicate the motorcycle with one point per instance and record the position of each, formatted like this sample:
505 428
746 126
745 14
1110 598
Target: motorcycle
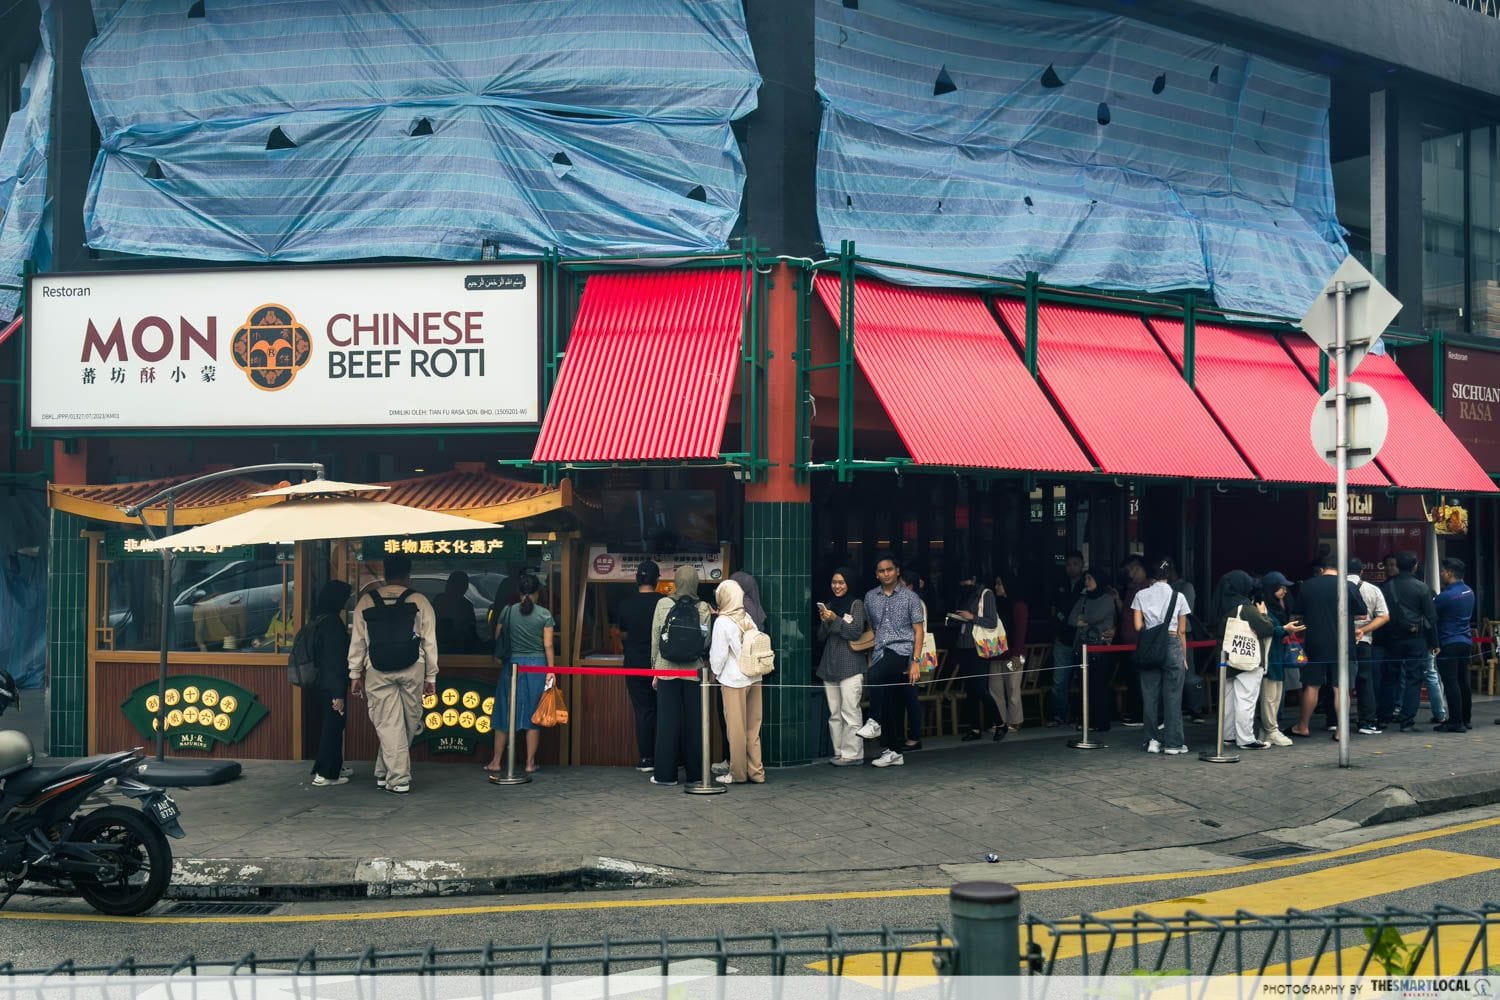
117 858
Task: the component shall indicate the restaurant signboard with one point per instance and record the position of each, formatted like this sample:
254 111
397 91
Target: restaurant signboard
1471 406
346 346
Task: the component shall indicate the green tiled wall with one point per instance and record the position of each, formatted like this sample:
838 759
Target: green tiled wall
778 553
67 636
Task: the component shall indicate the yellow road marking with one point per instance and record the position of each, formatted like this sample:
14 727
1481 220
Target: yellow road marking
1315 890
803 897
1451 951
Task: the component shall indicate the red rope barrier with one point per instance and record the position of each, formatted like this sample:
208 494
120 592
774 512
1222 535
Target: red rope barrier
607 671
1199 644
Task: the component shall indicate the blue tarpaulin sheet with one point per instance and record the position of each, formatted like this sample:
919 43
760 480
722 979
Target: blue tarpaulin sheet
416 130
1007 136
23 172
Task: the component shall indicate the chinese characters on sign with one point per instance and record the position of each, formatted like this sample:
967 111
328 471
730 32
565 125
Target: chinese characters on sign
491 544
118 545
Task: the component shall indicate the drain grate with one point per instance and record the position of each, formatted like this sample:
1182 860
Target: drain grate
216 909
1275 851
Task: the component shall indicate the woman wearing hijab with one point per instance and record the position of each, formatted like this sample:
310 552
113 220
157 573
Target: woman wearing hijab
331 652
1093 617
1241 692
751 590
742 700
979 608
679 731
841 669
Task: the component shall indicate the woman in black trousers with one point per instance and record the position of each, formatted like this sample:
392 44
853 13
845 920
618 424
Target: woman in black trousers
331 650
980 609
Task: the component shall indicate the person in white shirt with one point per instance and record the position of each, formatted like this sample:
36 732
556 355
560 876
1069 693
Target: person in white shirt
1161 690
1366 679
742 701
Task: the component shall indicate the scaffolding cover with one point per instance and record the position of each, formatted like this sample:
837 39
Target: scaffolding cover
23 172
1007 136
253 130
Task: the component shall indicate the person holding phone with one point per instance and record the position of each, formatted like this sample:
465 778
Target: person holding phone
979 608
841 620
1286 628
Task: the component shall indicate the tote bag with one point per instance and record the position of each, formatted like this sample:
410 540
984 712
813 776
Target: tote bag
1241 648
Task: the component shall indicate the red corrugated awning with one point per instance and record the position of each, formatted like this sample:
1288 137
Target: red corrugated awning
1123 396
953 386
1420 452
649 368
1261 398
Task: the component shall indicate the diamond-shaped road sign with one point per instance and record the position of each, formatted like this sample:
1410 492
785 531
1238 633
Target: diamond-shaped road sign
1370 310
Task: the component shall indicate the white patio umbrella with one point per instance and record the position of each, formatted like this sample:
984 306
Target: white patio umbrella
317 517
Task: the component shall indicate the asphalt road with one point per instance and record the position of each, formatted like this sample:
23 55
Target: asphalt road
1453 860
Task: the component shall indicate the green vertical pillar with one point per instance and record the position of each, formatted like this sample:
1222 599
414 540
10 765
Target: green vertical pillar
67 636
778 553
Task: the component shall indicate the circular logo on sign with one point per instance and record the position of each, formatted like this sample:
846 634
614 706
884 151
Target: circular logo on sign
489 705
271 348
221 722
174 719
173 696
210 697
450 696
190 694
433 721
466 720
450 717
228 704
471 699
190 715
604 564
482 724
153 703
715 573
207 718
429 701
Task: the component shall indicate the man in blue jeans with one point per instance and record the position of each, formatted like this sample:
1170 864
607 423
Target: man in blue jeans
1414 636
1063 661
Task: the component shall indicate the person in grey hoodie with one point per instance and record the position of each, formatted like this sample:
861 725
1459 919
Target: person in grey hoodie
841 619
679 729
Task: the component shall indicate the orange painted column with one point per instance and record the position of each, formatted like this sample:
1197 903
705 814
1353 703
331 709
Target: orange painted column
778 542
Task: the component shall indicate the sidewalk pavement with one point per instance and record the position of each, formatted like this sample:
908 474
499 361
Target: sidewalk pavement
1027 799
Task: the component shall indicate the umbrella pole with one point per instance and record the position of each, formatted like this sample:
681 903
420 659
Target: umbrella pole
166 636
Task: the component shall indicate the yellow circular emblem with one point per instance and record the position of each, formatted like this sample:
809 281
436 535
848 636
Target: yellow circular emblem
471 700
482 724
429 701
153 703
221 722
466 720
173 696
450 717
434 720
190 694
228 704
190 715
207 718
489 705
155 725
210 697
450 696
174 719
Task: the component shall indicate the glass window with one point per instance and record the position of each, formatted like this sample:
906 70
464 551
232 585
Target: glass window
1443 291
1351 185
1484 232
242 605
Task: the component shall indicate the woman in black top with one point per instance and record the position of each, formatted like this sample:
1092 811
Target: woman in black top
331 649
979 608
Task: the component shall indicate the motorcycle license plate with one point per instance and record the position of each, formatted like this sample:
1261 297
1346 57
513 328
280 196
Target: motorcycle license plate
164 810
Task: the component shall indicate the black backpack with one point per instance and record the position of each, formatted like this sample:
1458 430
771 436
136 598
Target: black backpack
684 638
302 661
1152 645
391 626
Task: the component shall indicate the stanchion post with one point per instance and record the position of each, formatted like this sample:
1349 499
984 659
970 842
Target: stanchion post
708 786
511 778
1218 756
1083 742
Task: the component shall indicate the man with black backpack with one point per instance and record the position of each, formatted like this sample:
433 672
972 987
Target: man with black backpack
395 637
679 641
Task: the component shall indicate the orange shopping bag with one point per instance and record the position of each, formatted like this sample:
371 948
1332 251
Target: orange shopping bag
551 710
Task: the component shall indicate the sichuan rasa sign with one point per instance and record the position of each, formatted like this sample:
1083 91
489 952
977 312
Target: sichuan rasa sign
267 347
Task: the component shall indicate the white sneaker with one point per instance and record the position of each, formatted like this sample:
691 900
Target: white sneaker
890 759
398 789
346 772
379 782
869 731
1279 739
722 767
1153 747
1175 751
724 779
321 782
655 782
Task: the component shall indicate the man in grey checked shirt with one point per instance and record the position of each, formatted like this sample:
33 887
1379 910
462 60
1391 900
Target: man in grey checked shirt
895 614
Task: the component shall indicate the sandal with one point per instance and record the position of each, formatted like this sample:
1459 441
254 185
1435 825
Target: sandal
533 768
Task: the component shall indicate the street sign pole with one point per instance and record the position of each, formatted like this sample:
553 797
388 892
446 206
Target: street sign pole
1341 492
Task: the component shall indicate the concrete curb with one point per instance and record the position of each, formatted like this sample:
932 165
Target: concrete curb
391 878
1425 798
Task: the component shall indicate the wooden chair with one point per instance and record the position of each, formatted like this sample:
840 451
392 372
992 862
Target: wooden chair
1034 680
1482 662
941 696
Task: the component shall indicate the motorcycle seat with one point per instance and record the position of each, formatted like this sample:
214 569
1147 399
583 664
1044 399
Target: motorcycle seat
20 787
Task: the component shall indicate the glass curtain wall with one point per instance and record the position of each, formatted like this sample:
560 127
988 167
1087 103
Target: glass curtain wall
1443 247
1484 232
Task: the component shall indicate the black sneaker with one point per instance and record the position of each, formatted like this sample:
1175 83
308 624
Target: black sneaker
1410 727
646 766
1135 724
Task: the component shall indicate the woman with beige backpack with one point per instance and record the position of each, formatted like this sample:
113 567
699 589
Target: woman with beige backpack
741 693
